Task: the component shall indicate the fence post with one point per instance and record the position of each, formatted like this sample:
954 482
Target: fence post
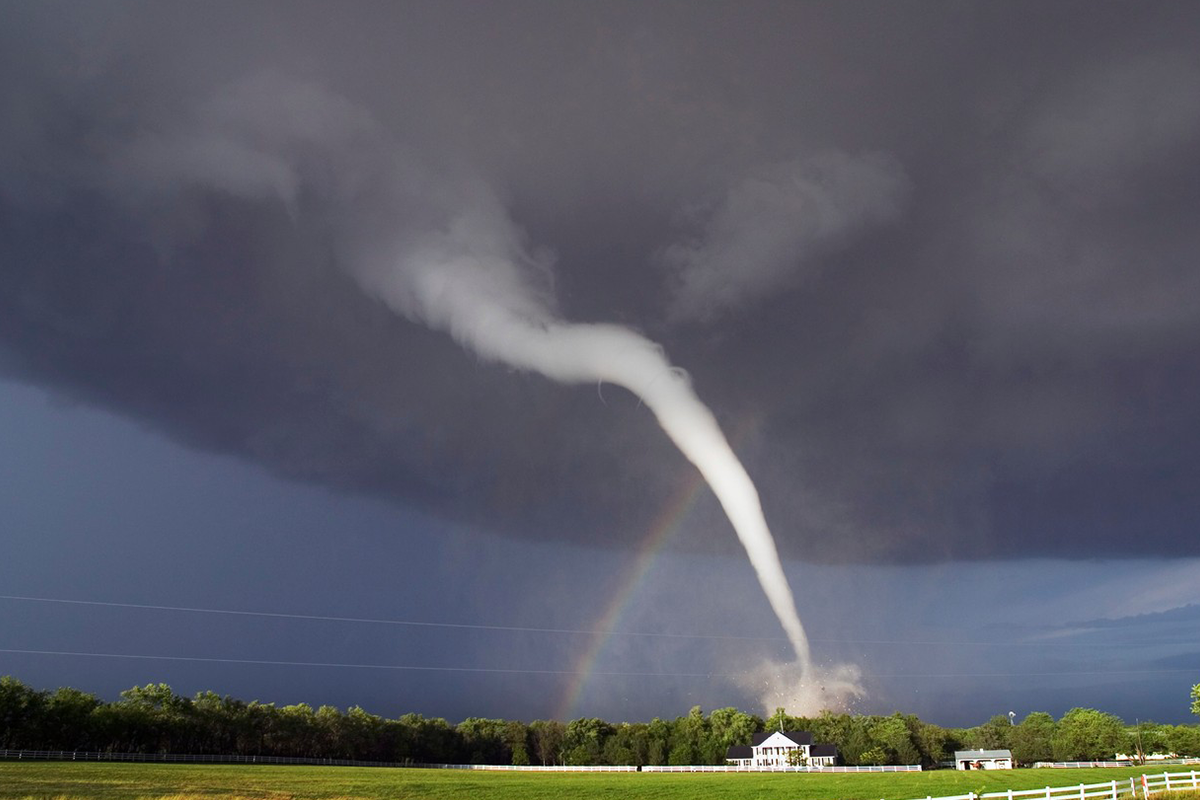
1167 781
1194 784
1145 788
1082 794
1114 787
1047 793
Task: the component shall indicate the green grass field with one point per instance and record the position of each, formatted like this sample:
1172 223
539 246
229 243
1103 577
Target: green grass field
92 781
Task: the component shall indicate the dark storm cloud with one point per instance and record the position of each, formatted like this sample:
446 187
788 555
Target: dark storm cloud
934 266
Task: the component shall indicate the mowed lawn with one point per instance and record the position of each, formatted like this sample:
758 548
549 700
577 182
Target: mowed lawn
195 781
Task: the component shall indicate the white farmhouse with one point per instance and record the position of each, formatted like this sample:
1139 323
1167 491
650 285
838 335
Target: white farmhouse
983 759
782 749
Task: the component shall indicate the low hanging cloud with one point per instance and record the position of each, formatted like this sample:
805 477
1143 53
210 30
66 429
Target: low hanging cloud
1104 126
449 257
769 230
979 345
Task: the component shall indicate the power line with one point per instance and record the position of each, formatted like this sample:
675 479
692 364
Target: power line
531 629
379 621
619 674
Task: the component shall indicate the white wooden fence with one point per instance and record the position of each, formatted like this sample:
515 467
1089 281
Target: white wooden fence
189 758
1146 784
1111 790
529 768
726 768
1169 782
1118 763
1080 764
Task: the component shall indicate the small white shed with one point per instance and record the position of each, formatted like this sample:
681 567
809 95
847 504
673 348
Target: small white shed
983 759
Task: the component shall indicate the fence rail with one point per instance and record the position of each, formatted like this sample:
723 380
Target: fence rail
194 758
529 768
1147 784
80 755
199 758
1121 762
725 768
1169 782
1081 764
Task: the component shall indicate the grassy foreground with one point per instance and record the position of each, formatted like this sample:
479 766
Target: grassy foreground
103 781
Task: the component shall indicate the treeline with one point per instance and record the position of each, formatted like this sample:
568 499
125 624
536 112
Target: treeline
153 719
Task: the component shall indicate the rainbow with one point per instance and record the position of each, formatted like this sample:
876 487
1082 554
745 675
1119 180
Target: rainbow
669 520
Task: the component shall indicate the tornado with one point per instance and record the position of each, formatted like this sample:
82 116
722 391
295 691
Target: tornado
440 248
457 294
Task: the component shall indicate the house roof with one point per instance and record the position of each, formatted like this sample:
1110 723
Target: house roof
797 737
967 755
740 751
823 750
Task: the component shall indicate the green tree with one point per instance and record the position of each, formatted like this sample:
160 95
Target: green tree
217 720
1196 699
995 734
850 733
154 717
425 740
931 741
873 756
329 731
68 719
658 747
628 745
363 735
1184 740
1146 738
1085 734
783 721
681 755
1033 739
297 733
21 711
893 736
584 740
727 727
483 741
618 748
547 738
796 758
516 739
690 737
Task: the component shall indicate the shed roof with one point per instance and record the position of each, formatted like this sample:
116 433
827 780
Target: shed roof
740 751
967 755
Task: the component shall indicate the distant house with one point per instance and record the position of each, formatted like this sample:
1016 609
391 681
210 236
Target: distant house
782 749
983 759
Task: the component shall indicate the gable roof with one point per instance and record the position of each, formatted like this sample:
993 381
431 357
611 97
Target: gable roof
798 737
739 751
960 755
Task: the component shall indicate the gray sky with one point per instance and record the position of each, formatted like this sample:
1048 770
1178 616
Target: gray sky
932 266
